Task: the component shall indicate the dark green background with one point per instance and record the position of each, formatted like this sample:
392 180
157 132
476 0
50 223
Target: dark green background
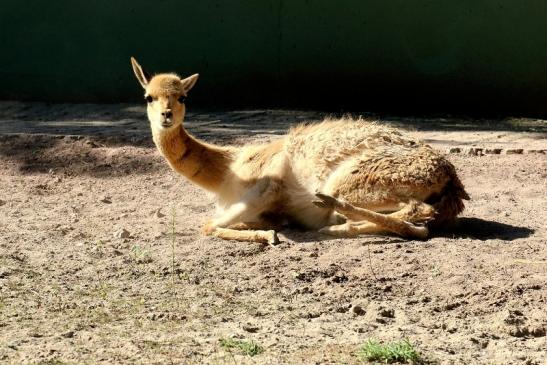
406 55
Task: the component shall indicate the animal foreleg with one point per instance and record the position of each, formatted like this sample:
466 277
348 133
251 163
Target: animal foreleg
268 237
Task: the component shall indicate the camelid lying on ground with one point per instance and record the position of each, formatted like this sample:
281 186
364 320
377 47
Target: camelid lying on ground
341 177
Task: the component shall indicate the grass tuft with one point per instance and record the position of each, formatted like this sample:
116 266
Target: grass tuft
173 241
249 348
402 352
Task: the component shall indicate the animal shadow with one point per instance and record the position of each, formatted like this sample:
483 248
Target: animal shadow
481 229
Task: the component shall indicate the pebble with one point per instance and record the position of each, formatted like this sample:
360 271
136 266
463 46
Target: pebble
387 313
536 151
454 150
68 334
474 151
492 151
2 202
358 310
514 151
106 199
122 233
250 328
4 273
158 213
92 144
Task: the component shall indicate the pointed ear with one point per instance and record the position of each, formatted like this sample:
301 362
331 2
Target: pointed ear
142 76
189 82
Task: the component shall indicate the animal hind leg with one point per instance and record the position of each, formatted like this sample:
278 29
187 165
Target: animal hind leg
352 229
413 212
386 222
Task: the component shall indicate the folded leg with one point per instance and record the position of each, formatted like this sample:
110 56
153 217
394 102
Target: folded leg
398 222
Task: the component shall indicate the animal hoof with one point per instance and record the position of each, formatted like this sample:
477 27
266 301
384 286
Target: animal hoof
272 239
326 201
208 228
420 232
320 204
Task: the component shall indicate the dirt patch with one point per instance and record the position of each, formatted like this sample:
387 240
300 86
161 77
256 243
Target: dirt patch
101 261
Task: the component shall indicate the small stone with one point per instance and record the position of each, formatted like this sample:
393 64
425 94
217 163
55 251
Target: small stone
4 273
514 151
158 213
68 334
122 233
250 328
358 310
106 199
77 236
492 151
474 151
536 151
381 320
519 331
454 150
387 313
538 331
2 202
92 144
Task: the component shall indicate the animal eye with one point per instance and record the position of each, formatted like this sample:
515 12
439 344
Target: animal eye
181 99
148 98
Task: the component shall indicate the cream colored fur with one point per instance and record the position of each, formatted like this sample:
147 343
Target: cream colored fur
343 177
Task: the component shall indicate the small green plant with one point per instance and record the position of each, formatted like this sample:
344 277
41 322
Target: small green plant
402 352
102 289
435 271
140 256
173 241
249 348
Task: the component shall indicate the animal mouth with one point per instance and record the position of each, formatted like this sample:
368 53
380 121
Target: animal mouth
166 123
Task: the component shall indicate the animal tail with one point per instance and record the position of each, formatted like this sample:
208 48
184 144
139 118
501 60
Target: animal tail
449 203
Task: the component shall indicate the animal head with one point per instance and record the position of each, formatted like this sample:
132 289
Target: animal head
165 95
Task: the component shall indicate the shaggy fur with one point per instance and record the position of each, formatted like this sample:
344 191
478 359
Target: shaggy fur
343 177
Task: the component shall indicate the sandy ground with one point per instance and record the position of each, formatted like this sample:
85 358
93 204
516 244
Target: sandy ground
73 291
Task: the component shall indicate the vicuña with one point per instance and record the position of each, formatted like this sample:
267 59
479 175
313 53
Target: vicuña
342 177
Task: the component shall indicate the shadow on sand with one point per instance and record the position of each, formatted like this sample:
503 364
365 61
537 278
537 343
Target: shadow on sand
481 229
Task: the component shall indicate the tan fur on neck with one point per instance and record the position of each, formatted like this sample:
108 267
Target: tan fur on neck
204 164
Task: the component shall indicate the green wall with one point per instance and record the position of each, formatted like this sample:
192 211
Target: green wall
460 56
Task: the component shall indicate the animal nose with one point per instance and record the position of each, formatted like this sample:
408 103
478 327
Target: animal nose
167 114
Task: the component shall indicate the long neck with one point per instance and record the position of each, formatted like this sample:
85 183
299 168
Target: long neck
204 164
